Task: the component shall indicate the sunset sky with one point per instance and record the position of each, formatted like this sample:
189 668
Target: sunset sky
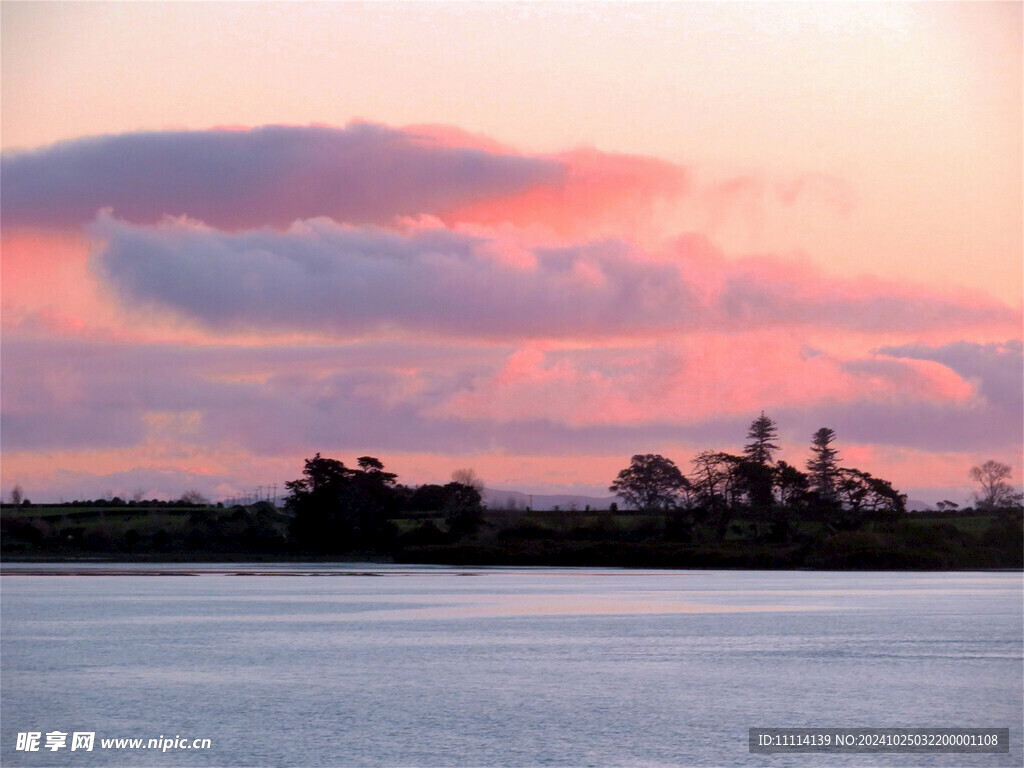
533 239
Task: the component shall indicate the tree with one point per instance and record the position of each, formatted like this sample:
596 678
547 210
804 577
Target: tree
863 497
756 481
314 500
717 485
792 485
823 464
16 495
428 498
340 509
370 464
651 483
756 471
468 476
760 449
194 497
463 509
995 491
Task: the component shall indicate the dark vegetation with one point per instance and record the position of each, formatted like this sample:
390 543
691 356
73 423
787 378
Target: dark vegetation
731 511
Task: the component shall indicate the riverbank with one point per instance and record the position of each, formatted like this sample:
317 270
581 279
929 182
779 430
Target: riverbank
519 538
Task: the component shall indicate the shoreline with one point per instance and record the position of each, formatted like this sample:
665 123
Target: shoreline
291 566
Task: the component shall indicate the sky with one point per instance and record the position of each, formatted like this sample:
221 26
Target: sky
532 239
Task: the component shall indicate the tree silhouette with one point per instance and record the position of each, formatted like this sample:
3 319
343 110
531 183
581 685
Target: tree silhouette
756 472
863 497
340 509
194 498
370 464
760 449
717 483
428 498
823 464
995 491
650 483
468 476
463 509
792 485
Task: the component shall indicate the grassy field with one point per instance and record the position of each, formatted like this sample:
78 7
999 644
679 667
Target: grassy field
125 529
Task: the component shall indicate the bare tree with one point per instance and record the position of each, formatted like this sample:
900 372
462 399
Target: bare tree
717 486
193 496
469 478
16 495
995 491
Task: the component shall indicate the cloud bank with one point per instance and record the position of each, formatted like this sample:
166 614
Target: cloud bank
322 276
271 175
423 292
71 394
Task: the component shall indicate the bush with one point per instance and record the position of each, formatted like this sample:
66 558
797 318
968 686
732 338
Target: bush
27 530
425 534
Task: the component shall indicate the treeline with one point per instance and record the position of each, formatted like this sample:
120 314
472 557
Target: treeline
332 510
745 510
116 501
748 510
343 509
723 486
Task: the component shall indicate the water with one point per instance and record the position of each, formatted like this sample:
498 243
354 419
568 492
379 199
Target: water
418 666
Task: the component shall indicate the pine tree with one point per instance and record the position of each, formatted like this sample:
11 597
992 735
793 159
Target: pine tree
762 433
823 464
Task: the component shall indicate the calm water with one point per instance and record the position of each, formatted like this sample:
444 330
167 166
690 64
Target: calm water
417 666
